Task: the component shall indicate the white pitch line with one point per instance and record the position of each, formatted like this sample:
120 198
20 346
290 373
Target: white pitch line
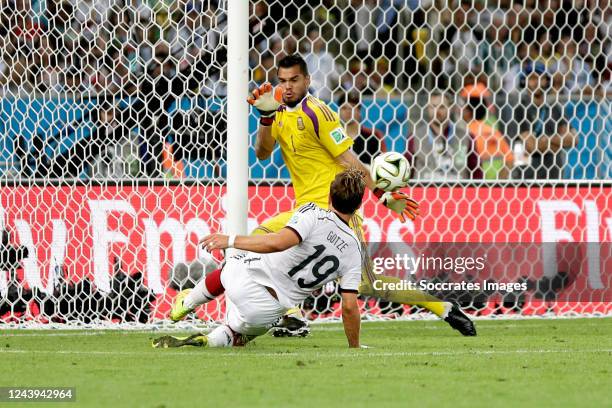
479 325
43 334
361 353
328 327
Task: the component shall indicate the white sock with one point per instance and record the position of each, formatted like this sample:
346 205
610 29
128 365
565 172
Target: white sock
198 295
221 336
447 308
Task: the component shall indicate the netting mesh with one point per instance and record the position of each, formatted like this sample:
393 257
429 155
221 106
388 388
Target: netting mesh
113 129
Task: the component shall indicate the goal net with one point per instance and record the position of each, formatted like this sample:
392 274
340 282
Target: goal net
113 152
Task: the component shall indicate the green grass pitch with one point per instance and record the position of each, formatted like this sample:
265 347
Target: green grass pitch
410 364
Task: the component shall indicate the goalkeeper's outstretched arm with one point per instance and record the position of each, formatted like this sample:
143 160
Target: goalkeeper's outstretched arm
264 145
349 159
398 202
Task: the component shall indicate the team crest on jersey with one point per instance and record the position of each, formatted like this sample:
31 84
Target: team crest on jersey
280 123
338 135
300 124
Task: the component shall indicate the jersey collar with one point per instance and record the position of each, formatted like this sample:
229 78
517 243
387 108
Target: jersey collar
298 106
339 218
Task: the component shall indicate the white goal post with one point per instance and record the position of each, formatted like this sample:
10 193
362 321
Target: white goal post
237 116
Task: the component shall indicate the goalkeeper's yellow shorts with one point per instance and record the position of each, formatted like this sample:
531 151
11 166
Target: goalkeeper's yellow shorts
279 221
273 224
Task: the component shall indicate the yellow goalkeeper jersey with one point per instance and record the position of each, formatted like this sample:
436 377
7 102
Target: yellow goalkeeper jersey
310 137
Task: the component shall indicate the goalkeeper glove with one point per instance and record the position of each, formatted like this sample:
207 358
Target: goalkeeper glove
266 100
399 203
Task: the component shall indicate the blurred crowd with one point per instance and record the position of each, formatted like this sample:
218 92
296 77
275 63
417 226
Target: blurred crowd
107 46
392 45
489 73
492 76
156 53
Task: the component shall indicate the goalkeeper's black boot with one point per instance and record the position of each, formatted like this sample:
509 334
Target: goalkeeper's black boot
290 326
197 340
460 321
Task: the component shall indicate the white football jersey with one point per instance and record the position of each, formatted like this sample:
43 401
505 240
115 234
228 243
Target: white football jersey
328 250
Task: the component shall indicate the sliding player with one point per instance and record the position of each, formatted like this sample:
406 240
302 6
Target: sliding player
315 148
282 269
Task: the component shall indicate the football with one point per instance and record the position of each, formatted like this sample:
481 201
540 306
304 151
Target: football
390 171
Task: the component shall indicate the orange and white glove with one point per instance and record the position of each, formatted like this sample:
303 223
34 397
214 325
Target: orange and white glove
266 100
398 202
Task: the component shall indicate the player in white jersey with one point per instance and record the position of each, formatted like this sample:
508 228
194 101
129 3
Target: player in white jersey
330 251
282 269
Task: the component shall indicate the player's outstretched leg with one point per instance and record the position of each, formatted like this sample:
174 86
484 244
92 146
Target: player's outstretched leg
447 311
197 340
179 311
221 336
205 291
460 321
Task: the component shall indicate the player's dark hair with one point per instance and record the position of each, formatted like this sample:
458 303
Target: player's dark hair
347 191
292 60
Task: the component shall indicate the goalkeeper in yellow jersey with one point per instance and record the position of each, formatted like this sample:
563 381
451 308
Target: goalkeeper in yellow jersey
315 148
